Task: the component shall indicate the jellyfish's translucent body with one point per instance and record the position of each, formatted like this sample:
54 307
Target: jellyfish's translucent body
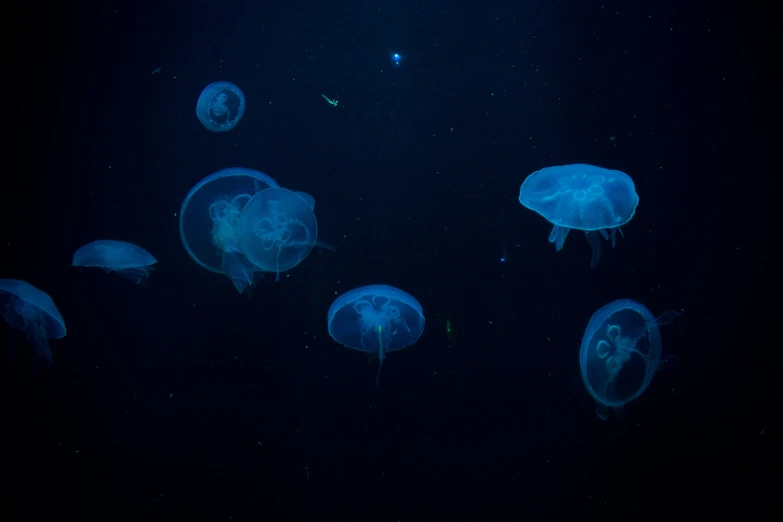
620 353
126 259
209 220
376 319
583 197
278 229
31 311
220 106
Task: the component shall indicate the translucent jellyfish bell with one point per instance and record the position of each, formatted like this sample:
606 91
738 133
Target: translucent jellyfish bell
220 106
126 259
584 197
278 229
209 219
621 352
31 311
376 319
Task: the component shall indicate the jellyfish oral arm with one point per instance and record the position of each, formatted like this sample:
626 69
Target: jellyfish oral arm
381 354
327 246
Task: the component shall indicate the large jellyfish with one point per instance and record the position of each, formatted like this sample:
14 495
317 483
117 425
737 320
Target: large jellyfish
126 259
376 319
620 353
220 106
209 219
584 197
278 229
31 311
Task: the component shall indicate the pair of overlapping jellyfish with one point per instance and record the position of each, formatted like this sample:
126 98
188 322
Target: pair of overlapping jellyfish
595 200
240 223
376 319
30 311
621 352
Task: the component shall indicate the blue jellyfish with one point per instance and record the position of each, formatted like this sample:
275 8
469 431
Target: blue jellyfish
584 197
31 311
126 259
209 220
376 319
620 353
220 106
278 229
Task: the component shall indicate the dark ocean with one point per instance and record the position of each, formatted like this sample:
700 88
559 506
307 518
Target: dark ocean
182 399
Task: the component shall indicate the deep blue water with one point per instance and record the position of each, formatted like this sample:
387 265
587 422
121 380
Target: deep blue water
184 400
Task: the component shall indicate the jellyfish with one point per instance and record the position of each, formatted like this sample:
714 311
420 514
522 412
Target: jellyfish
376 319
220 106
126 259
209 220
278 229
584 197
32 312
621 352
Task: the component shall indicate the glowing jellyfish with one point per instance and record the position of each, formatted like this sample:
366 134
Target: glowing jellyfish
583 197
376 319
32 312
126 259
396 59
220 106
620 353
209 220
278 229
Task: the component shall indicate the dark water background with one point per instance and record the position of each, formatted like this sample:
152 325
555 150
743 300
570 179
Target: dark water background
187 401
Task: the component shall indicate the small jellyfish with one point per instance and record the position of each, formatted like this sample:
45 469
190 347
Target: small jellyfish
209 221
583 197
621 352
376 319
396 59
31 311
126 259
220 106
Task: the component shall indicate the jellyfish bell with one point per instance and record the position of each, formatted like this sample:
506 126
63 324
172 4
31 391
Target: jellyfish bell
125 259
376 319
220 106
595 200
621 352
32 313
